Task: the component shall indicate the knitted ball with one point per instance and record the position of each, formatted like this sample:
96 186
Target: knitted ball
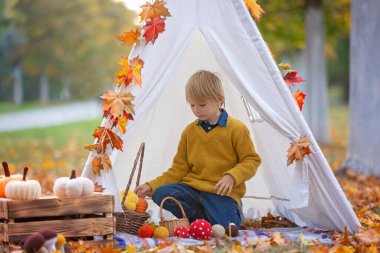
145 231
182 232
218 231
232 230
161 233
34 243
200 229
131 248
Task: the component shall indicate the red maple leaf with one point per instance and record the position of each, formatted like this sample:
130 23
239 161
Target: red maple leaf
291 78
153 28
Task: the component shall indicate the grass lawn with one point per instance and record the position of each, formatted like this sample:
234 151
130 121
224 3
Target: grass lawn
8 107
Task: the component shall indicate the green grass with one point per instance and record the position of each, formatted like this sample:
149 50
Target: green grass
55 148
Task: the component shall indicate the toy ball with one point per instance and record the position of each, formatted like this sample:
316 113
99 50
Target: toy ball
200 229
217 231
182 232
161 233
232 230
145 231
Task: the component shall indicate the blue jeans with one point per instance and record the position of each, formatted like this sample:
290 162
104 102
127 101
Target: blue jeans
198 205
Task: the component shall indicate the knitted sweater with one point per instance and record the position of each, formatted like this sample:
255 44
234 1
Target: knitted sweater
202 159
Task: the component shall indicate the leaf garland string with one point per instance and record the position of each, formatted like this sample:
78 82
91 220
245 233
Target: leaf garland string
118 106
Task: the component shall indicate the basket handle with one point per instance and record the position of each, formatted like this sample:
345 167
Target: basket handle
140 155
175 200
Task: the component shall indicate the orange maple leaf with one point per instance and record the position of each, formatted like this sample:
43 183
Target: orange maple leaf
254 8
151 11
298 149
299 96
116 103
109 249
134 71
115 140
153 28
96 165
98 187
106 162
130 38
291 78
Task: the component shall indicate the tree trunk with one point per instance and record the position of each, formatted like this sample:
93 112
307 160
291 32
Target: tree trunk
18 90
44 87
364 102
316 103
65 92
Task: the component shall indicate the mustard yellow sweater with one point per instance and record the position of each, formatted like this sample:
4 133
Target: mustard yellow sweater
202 158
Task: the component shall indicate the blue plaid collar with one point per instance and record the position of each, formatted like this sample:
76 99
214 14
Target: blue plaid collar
222 121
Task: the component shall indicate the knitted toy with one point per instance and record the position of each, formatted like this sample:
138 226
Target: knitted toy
35 243
161 233
218 231
145 231
200 229
232 230
182 232
50 237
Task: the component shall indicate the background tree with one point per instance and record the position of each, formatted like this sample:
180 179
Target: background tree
305 33
364 136
69 44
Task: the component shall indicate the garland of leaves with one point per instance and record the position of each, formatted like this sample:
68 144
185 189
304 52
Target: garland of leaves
118 106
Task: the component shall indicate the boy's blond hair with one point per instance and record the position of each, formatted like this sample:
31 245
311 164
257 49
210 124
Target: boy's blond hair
204 84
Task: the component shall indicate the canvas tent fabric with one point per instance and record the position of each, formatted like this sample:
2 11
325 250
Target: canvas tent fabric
220 36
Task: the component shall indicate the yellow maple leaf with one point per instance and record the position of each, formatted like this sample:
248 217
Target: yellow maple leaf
284 66
254 8
150 11
122 123
130 38
116 103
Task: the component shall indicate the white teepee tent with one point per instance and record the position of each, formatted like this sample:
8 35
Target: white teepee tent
220 36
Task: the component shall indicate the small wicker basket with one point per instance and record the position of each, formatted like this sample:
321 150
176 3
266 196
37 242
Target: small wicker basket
130 221
171 225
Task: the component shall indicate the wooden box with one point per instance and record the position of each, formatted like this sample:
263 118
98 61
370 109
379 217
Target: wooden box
73 217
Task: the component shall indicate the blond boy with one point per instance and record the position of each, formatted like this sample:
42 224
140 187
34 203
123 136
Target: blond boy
215 157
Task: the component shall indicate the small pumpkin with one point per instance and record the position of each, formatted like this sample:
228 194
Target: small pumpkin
141 206
23 190
7 178
73 186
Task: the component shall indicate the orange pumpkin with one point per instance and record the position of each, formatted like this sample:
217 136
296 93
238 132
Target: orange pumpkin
7 178
141 206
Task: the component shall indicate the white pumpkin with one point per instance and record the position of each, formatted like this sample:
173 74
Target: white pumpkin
73 186
23 190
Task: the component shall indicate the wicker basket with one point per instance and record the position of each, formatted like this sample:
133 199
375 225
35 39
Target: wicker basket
130 221
171 225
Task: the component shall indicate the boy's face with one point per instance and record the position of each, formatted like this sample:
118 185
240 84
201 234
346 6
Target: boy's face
206 109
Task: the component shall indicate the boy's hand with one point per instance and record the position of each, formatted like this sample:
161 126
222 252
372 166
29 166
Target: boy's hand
224 186
143 190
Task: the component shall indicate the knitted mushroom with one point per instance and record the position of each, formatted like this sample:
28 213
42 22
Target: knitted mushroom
35 243
200 229
182 232
50 237
232 230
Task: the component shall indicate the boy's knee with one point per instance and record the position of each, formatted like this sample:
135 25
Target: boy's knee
159 194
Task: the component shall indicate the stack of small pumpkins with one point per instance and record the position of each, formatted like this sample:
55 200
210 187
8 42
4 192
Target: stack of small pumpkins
134 203
17 187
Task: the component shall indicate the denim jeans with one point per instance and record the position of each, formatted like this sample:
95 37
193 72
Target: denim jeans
198 205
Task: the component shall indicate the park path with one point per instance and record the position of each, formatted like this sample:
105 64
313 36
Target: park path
54 115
